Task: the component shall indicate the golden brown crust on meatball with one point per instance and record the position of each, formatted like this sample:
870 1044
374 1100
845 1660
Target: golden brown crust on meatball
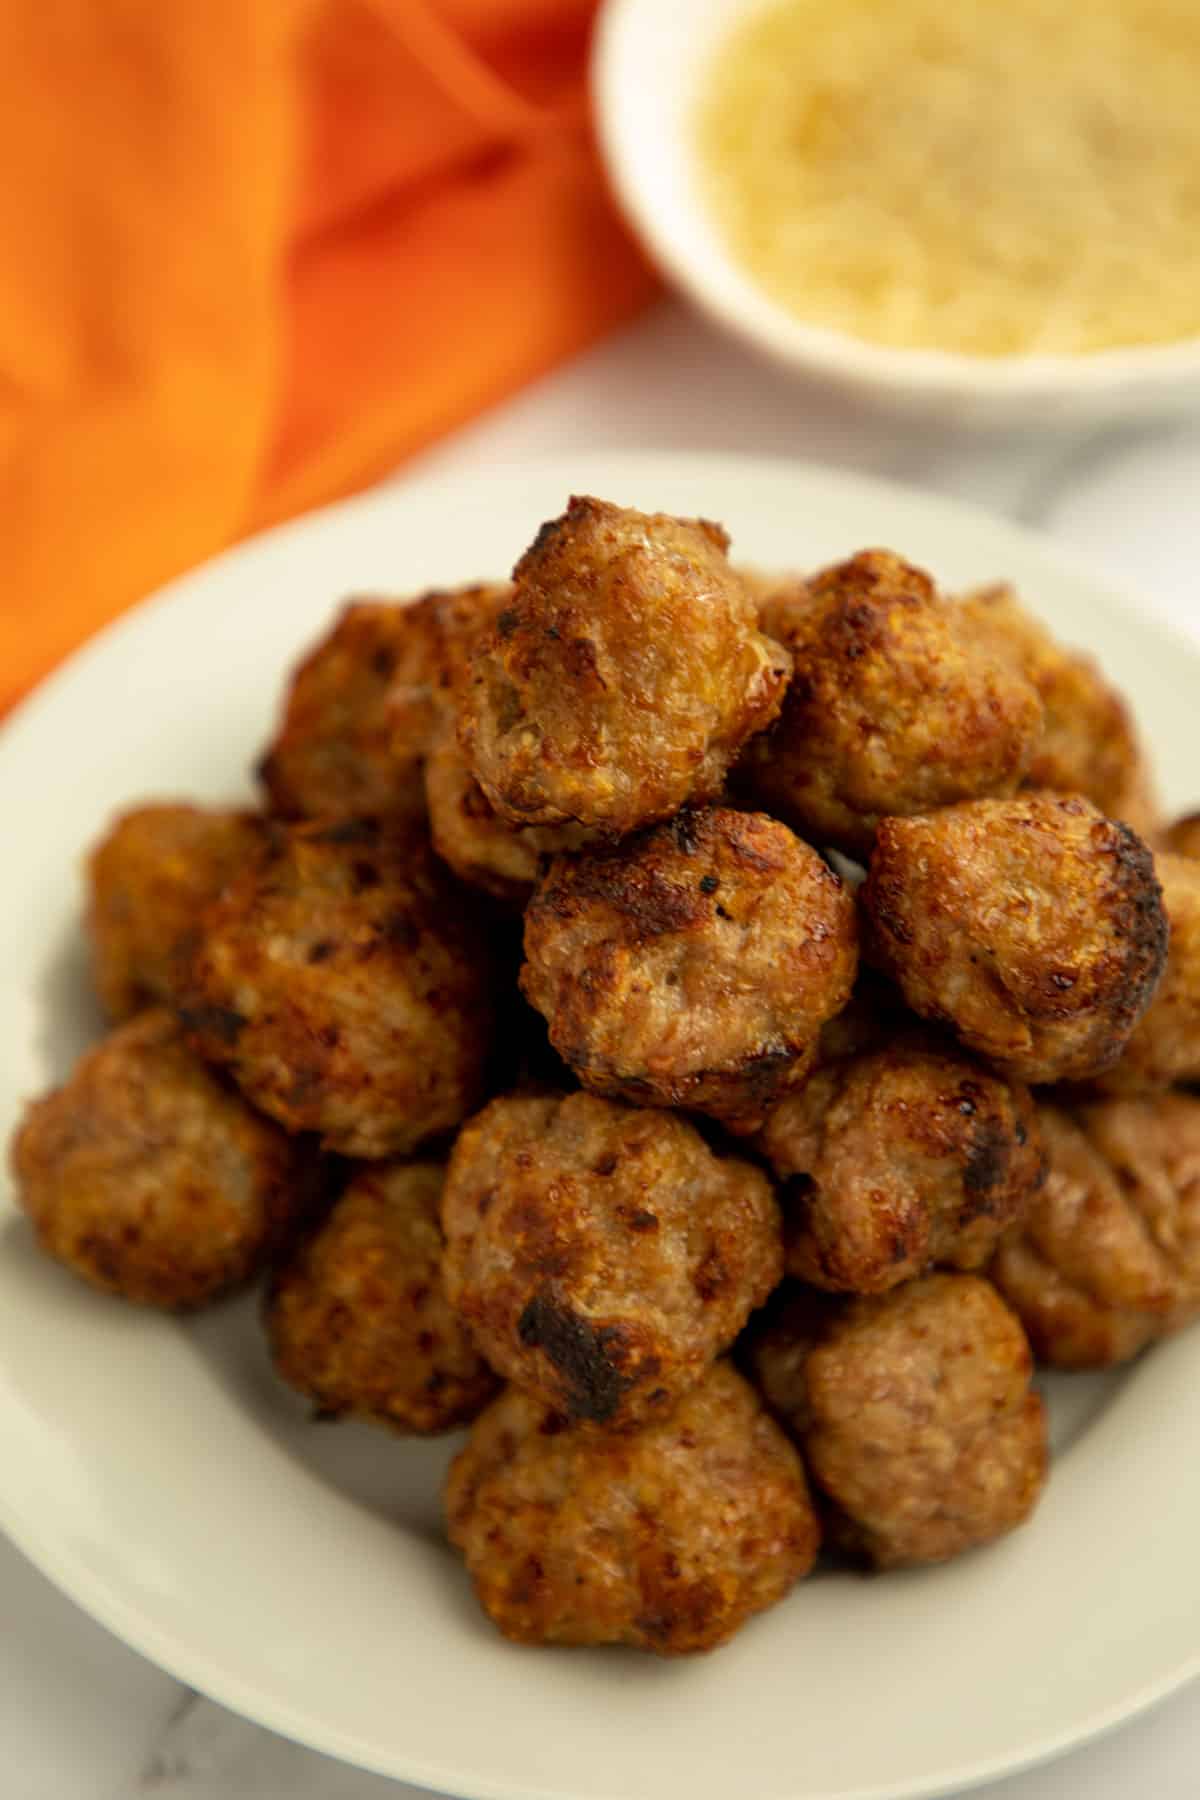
344 983
357 717
602 1255
482 849
1109 1257
1165 1045
915 1416
1033 927
693 965
149 880
461 619
667 1539
149 1178
357 1319
624 677
1183 839
898 1159
1088 744
893 709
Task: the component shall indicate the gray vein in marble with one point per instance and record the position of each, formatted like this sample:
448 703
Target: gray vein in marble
204 1752
163 1766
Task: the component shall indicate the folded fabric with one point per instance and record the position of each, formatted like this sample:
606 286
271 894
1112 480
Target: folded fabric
253 253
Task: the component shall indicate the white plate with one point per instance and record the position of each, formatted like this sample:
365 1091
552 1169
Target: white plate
162 1478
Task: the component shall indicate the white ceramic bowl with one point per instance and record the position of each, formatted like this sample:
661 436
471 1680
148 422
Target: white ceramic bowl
650 58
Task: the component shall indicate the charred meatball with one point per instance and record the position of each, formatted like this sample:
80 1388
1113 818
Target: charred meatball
623 678
149 881
344 983
694 965
357 1319
667 1539
897 1159
357 717
1109 1257
1165 1046
894 707
149 1178
1183 839
1033 927
915 1415
481 848
601 1255
1088 744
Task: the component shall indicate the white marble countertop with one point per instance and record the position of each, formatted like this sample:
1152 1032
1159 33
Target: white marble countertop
81 1717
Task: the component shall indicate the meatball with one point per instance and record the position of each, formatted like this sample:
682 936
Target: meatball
894 707
1183 839
357 717
461 618
1088 744
480 847
693 965
1109 1257
149 881
343 981
899 1158
601 1255
357 1319
1033 927
915 1415
1165 1046
667 1539
623 678
149 1178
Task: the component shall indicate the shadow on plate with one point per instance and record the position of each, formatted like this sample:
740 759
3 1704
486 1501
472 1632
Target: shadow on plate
399 1479
69 1017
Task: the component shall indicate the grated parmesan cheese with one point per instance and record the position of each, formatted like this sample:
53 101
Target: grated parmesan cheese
992 176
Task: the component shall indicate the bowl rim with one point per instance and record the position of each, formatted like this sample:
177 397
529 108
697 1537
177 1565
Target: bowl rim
767 326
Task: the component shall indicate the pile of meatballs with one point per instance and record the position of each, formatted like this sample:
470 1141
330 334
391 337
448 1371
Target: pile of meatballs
709 1034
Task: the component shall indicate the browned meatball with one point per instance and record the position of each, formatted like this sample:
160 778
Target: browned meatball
1033 927
667 1539
343 981
152 1180
357 1319
894 707
693 965
1088 744
1183 839
1165 1046
915 1415
1109 1257
149 880
897 1159
461 619
357 717
601 1255
624 677
480 847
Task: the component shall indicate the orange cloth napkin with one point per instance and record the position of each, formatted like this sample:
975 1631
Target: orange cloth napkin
254 251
